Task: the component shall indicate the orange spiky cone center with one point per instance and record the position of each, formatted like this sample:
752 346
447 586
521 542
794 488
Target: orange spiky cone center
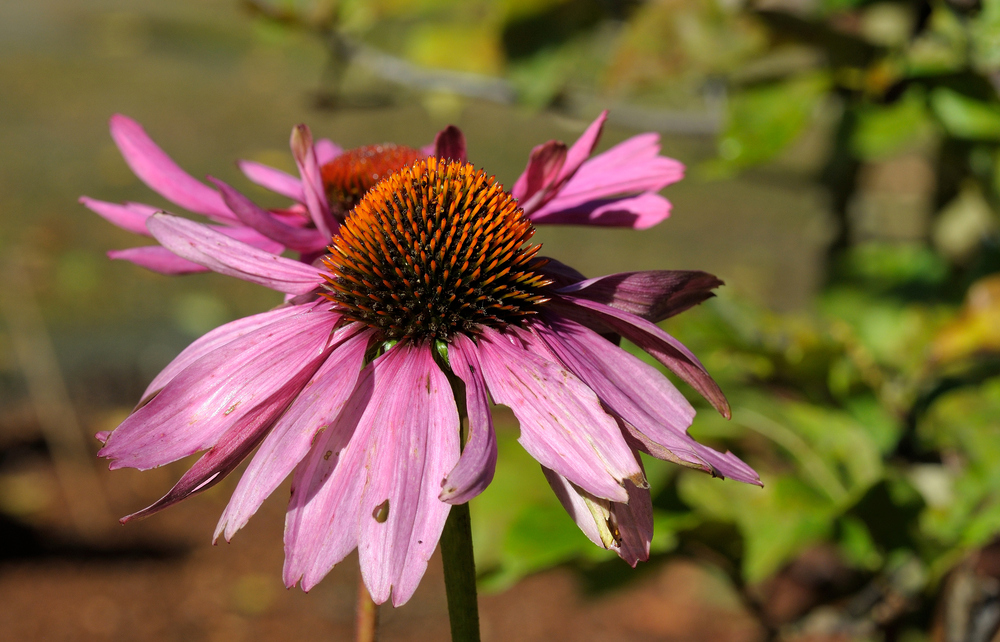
349 176
435 249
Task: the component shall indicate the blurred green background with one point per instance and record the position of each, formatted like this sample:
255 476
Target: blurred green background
843 169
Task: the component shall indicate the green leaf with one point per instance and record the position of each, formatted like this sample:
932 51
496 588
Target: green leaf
965 117
763 121
883 131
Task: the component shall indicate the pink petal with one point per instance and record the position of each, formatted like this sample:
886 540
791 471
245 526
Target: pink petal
312 180
562 423
624 527
130 216
636 212
233 447
299 239
321 526
656 414
152 165
158 259
649 337
654 295
247 235
582 148
475 468
221 254
544 165
413 447
317 408
450 144
219 390
327 150
273 179
216 339
629 167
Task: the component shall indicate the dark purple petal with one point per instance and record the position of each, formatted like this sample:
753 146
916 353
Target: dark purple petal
450 144
654 295
649 337
299 239
476 467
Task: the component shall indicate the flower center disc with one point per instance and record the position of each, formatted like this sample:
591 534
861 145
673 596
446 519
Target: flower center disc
347 177
435 249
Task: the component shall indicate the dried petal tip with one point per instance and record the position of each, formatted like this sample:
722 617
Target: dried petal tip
435 249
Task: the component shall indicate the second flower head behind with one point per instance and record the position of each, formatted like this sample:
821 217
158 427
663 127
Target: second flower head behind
347 388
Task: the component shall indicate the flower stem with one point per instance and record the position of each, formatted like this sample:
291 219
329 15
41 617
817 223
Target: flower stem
366 615
460 575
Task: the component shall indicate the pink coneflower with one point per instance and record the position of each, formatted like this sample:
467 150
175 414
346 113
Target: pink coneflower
326 190
347 387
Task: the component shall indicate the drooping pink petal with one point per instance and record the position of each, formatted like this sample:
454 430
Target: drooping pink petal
450 144
247 235
562 423
157 259
219 253
626 528
327 150
656 414
157 170
130 216
216 392
321 526
312 180
654 295
476 467
233 447
648 336
414 444
544 165
639 212
273 179
315 409
300 239
216 339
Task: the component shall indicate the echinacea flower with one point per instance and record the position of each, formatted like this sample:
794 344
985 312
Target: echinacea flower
346 387
328 188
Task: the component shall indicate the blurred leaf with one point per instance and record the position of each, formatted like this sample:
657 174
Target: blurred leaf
883 131
963 223
763 121
462 47
977 327
965 117
985 31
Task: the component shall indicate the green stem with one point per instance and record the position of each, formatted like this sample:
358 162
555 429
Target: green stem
460 575
366 615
